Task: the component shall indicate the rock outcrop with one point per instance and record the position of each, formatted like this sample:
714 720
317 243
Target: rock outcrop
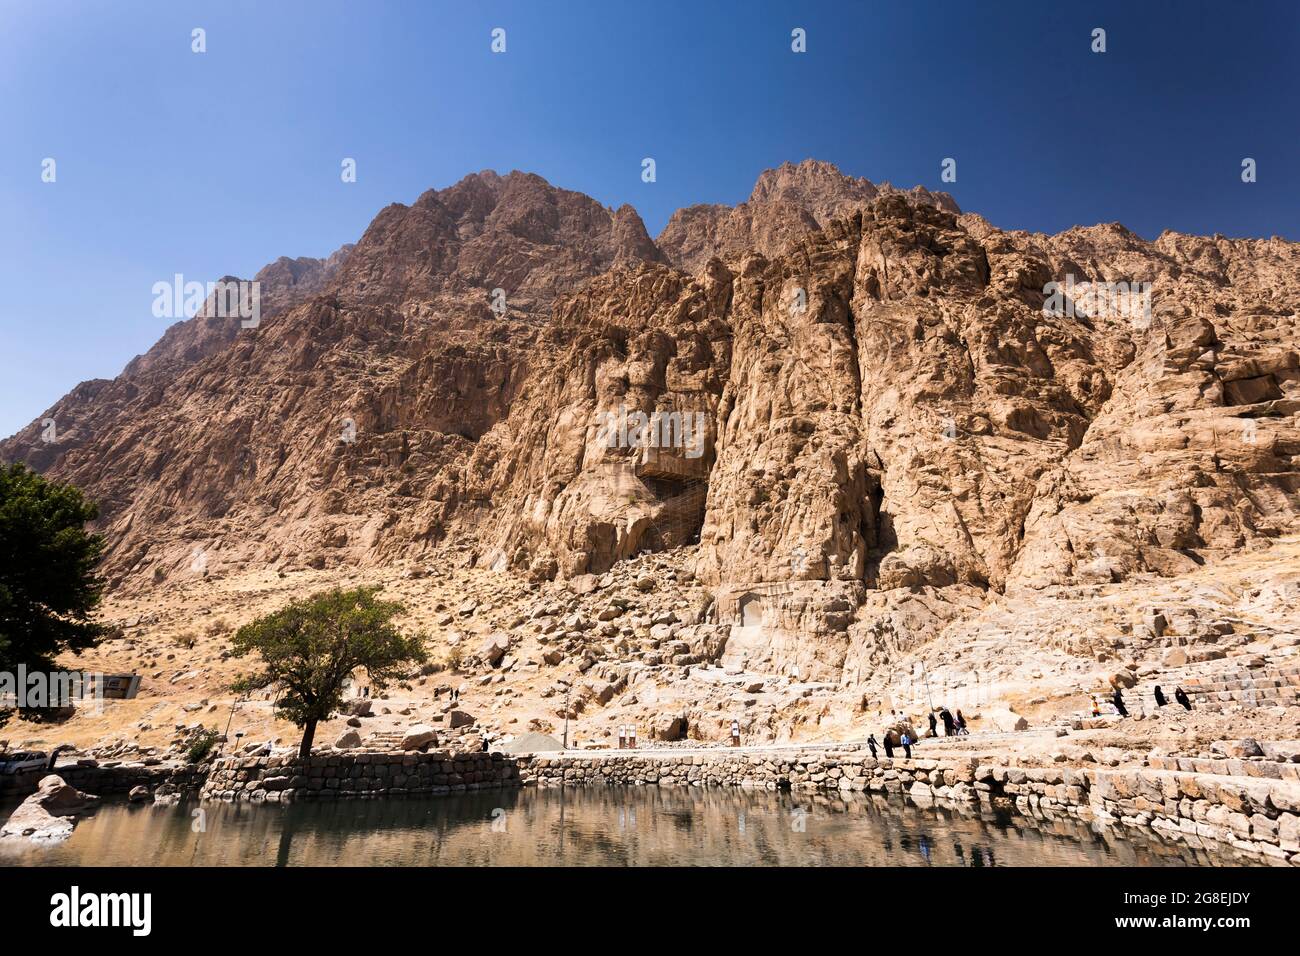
786 203
50 813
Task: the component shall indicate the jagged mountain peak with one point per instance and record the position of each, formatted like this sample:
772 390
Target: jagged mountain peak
806 180
515 232
786 202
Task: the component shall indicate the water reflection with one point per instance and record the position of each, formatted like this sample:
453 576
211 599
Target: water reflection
642 826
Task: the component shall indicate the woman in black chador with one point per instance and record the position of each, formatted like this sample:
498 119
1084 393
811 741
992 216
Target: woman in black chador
1118 701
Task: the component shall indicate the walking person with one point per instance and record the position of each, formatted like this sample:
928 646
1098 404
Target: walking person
871 745
961 724
1118 701
934 731
1180 695
889 745
946 714
1160 697
907 746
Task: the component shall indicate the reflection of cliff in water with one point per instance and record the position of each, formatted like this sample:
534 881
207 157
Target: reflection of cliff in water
643 826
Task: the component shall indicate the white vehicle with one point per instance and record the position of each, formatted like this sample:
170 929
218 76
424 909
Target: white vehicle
22 760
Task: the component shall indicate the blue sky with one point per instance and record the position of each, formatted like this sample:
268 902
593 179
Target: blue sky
170 161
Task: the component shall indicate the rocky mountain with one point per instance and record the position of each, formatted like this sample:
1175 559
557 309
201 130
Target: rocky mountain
94 407
868 413
785 203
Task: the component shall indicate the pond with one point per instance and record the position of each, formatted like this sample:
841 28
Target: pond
634 826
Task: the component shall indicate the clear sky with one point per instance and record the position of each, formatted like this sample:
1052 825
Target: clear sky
207 164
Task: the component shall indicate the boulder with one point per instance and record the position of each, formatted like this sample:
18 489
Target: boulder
669 728
1174 657
584 583
1238 749
49 813
418 736
1122 679
1003 719
458 718
494 648
531 743
1249 747
349 741
895 730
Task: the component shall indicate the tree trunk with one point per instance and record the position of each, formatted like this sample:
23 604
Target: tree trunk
308 735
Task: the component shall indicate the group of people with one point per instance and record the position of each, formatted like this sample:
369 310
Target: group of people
1180 695
952 726
904 741
1117 700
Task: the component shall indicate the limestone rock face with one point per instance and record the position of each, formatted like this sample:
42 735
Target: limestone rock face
337 431
646 341
864 411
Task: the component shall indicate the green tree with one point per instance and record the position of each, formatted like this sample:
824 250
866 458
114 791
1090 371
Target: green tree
311 647
48 584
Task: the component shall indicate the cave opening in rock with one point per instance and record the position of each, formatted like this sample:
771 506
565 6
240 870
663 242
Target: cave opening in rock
751 610
678 513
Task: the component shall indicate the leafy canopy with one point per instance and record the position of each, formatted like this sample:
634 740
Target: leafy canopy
311 647
48 584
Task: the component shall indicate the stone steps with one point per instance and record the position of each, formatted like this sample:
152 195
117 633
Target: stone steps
1262 687
1228 767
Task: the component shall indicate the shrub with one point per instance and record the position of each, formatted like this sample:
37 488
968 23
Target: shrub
201 745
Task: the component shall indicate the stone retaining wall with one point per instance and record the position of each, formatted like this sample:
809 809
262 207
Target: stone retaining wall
1255 817
327 776
101 781
1228 766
